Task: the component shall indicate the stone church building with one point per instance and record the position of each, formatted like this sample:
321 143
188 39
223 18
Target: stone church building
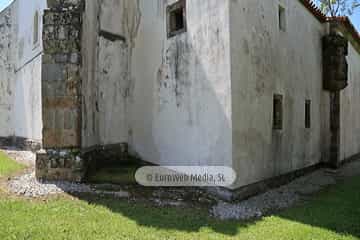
270 88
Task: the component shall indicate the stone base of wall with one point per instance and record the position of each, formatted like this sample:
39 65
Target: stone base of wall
64 165
20 143
107 155
74 164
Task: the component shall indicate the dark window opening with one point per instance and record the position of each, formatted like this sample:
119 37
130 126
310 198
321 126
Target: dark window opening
282 18
176 18
36 28
278 112
307 114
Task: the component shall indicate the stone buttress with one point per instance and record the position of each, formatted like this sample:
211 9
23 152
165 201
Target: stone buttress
61 93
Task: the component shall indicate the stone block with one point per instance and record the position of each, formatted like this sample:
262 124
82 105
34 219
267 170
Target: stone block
69 119
48 59
53 72
65 4
47 89
68 165
62 33
48 33
74 34
48 17
61 58
75 58
59 119
49 119
61 138
335 66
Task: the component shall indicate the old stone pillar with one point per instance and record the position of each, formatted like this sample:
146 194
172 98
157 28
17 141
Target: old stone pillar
335 79
61 93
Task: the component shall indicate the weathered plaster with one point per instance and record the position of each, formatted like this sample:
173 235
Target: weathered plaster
7 64
108 83
168 98
20 68
267 61
113 77
350 109
181 112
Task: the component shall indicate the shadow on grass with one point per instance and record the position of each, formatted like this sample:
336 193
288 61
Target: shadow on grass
336 209
190 219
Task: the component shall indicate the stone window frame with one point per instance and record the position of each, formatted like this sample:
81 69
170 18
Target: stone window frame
278 112
308 114
282 18
36 28
180 5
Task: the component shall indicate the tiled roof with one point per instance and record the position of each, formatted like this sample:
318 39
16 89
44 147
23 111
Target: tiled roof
311 6
348 24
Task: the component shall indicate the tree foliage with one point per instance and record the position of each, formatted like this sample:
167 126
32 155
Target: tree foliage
335 8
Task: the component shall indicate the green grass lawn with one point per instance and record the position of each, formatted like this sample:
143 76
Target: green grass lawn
8 166
332 214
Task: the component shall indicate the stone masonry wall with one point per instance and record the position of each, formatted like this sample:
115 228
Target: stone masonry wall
335 79
61 78
61 92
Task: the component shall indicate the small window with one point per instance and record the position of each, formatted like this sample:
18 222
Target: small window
308 114
176 18
282 18
36 28
278 112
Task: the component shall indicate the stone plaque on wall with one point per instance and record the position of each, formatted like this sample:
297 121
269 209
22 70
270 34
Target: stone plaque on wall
335 66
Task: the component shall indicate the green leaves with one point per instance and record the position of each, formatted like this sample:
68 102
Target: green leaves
335 8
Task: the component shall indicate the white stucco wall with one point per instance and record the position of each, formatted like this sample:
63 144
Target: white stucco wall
267 61
24 76
172 102
206 96
7 65
350 108
90 129
105 73
27 114
180 108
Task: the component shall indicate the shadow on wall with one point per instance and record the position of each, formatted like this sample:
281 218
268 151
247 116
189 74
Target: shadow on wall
181 117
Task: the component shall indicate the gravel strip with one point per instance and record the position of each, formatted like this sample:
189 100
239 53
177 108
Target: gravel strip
276 199
25 157
257 206
28 186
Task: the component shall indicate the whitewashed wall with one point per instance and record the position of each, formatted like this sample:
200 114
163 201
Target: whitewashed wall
206 96
27 112
23 82
350 108
267 61
166 119
7 64
181 102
